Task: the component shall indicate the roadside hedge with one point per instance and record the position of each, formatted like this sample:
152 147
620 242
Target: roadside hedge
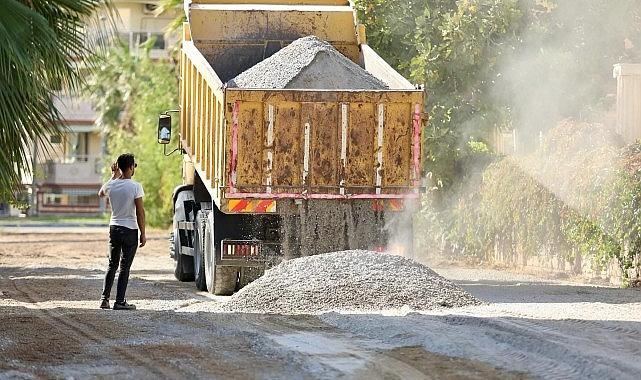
579 193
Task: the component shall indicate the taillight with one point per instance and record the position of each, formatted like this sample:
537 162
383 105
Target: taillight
237 249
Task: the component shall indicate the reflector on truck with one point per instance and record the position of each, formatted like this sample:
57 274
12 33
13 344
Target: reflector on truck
241 249
257 206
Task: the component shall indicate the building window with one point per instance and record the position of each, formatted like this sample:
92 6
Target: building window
54 199
84 199
70 197
77 146
134 39
159 42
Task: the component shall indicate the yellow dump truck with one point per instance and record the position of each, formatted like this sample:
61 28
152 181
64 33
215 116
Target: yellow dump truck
261 165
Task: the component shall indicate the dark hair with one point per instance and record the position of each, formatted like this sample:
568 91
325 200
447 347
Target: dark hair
125 161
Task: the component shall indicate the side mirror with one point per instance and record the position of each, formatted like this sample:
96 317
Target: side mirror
164 129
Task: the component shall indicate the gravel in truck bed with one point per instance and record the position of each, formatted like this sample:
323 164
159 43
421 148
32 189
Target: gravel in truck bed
355 280
307 63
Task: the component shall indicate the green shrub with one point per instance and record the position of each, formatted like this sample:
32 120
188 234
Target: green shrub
579 194
129 93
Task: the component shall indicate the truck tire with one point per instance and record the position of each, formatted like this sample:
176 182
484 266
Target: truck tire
183 264
220 280
209 250
199 263
183 210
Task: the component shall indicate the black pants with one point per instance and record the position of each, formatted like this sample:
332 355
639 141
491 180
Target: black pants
123 243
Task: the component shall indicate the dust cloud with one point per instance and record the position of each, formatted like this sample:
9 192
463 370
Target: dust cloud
315 226
561 66
555 83
560 78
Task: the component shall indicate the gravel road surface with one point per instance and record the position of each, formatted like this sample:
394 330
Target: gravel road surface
50 326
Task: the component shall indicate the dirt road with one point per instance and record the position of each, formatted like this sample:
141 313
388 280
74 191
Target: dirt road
50 326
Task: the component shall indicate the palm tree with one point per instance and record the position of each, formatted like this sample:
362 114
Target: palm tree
43 46
112 88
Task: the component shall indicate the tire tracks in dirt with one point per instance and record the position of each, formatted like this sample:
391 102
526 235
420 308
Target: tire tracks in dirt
562 350
86 334
343 354
564 331
337 351
538 324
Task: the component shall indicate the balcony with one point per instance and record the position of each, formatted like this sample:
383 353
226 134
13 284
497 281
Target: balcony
72 170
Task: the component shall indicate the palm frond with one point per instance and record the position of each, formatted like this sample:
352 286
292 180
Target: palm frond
43 47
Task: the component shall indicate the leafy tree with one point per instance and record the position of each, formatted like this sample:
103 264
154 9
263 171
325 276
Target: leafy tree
42 46
391 28
173 5
523 65
453 48
129 92
502 64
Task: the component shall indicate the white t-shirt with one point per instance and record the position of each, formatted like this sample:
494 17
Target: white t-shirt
121 193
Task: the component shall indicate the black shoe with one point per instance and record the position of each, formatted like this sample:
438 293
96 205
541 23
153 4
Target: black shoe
124 306
104 304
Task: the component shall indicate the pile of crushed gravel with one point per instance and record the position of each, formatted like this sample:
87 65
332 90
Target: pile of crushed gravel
307 63
358 281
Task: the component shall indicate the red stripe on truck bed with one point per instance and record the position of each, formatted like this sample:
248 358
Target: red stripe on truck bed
240 206
262 206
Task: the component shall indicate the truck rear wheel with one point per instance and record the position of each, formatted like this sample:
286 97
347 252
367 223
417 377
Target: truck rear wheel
199 263
209 253
183 264
183 211
220 280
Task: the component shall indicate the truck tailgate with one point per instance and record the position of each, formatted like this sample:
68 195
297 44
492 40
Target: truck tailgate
322 143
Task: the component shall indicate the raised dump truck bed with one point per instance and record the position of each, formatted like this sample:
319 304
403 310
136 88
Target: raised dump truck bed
275 144
322 144
256 155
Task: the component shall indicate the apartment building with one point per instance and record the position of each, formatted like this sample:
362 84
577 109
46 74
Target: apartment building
66 179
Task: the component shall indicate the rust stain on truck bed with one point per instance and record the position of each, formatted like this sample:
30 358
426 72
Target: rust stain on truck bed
323 142
324 146
288 153
250 142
